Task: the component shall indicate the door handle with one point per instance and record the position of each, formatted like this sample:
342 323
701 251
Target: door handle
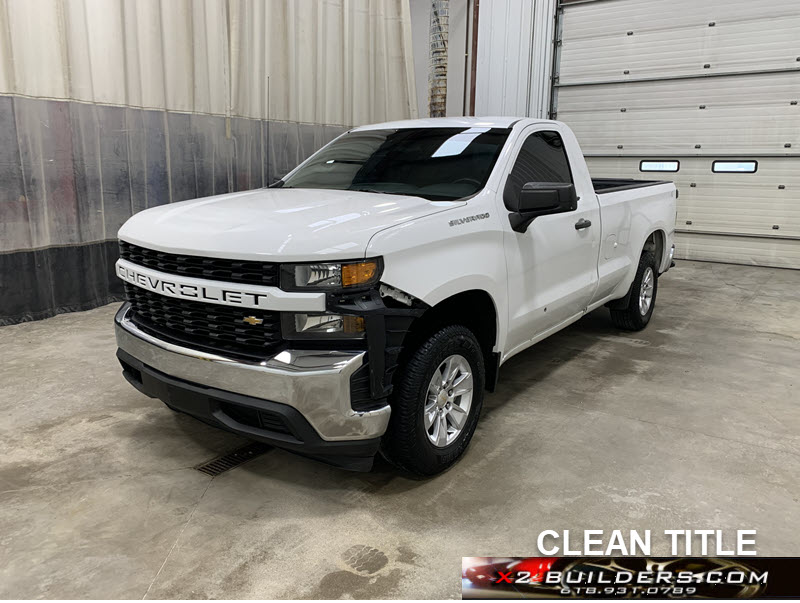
582 223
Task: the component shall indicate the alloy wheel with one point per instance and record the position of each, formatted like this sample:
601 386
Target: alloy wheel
646 291
448 400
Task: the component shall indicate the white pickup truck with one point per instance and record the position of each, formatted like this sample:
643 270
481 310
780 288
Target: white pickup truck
366 301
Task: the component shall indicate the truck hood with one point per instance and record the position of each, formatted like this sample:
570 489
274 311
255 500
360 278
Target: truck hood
276 224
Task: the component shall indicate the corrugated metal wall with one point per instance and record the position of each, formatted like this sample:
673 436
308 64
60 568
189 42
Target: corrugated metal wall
111 106
515 50
694 82
342 62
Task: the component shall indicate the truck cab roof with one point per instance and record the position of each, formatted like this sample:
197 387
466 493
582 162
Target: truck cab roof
453 122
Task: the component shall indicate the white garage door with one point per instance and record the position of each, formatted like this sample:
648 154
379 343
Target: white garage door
702 92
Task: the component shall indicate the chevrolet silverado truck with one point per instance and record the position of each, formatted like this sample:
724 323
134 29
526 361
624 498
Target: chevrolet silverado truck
365 302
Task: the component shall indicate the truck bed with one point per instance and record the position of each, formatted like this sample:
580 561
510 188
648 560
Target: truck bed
610 185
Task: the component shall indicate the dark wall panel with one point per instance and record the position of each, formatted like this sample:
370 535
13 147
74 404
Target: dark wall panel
211 155
86 168
248 165
154 124
57 165
35 152
72 173
114 167
14 229
39 283
181 161
136 140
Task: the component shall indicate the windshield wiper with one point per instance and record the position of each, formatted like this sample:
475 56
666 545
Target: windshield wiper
374 190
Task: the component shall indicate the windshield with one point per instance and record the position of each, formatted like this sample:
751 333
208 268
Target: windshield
433 163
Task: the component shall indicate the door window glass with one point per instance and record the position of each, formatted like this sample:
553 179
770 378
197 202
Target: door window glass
542 158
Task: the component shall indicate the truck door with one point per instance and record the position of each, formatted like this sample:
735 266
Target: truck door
552 267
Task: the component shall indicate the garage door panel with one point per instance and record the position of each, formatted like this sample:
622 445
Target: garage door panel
735 220
664 51
746 93
717 131
679 53
738 250
741 203
771 170
606 19
743 92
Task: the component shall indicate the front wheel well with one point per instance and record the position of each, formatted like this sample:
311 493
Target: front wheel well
472 309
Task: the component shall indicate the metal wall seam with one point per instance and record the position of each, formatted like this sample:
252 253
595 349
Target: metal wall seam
514 57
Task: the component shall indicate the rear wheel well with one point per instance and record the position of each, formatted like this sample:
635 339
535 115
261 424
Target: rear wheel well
472 309
655 243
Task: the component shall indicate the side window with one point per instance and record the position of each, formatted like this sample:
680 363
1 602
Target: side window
735 167
542 158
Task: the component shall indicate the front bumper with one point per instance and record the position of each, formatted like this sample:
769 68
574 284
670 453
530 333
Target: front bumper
308 391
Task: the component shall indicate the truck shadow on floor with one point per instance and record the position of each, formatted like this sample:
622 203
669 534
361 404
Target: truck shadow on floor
589 353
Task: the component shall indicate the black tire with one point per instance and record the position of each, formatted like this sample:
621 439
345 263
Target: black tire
406 443
632 318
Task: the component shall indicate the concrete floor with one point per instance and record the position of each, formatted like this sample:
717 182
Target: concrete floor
692 423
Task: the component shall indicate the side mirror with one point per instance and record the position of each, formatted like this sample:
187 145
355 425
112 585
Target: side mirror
539 199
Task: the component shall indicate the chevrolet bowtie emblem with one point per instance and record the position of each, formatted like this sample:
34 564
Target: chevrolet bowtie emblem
252 320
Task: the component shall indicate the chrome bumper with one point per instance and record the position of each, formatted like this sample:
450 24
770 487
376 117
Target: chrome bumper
314 382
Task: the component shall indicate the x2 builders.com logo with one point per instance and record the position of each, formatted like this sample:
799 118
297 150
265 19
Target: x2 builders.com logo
629 577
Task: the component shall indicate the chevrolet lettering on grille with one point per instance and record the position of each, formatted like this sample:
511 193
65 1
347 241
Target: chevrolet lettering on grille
193 289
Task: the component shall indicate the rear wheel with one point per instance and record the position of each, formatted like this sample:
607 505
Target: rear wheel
642 298
437 403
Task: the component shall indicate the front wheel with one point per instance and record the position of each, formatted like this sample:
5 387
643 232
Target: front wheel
642 298
437 403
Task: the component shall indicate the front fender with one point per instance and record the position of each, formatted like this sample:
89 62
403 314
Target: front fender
438 256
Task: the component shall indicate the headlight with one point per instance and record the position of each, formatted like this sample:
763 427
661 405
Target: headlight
330 275
322 326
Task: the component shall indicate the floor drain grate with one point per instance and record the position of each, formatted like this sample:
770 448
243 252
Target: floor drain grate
233 459
365 559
